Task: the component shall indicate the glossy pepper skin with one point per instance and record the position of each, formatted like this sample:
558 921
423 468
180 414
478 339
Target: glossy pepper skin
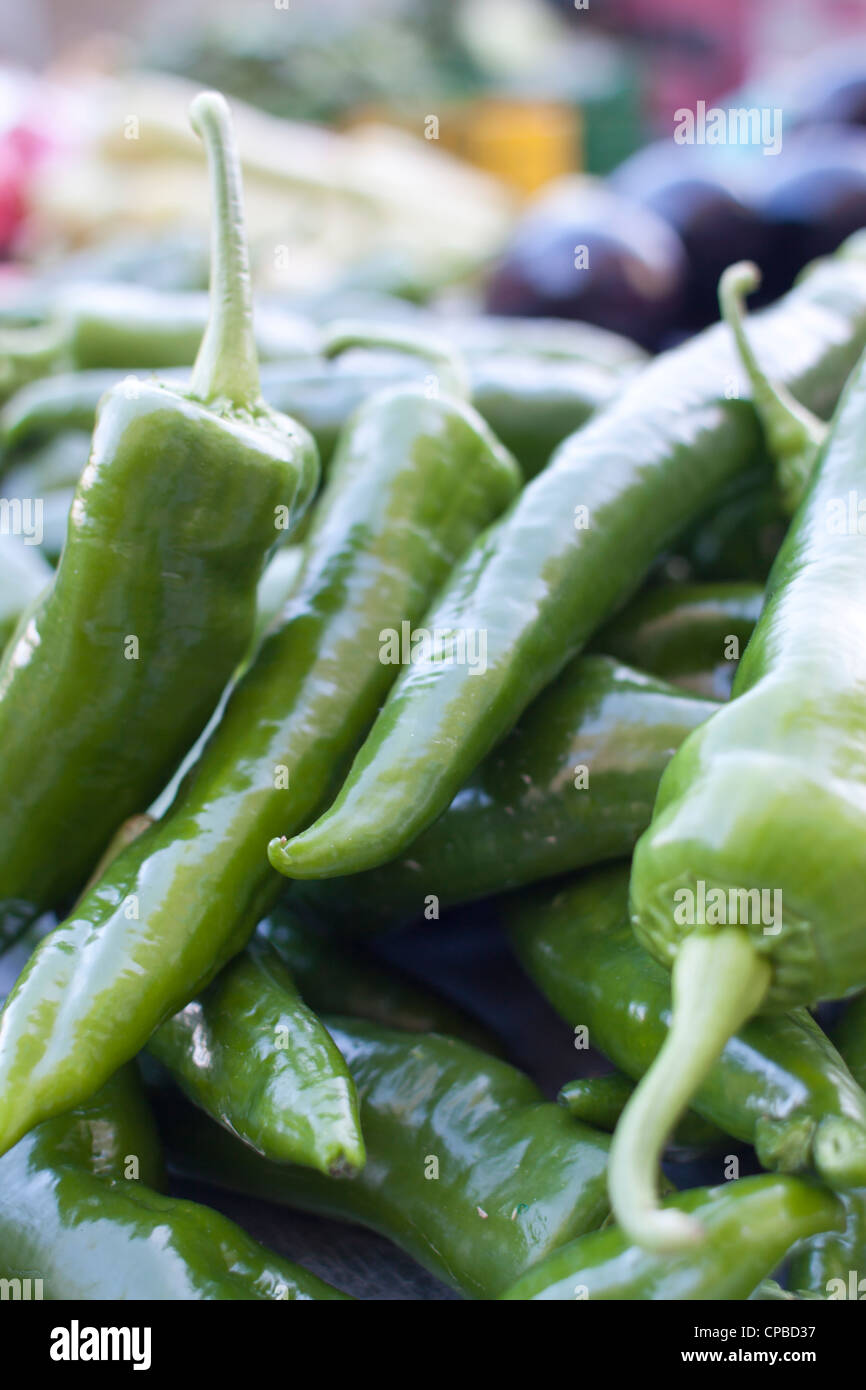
546 577
779 1084
55 462
766 799
530 403
121 325
565 340
833 1265
689 634
255 1057
750 1225
517 1176
414 480
600 1100
72 1215
251 1053
24 574
740 536
574 783
337 978
115 671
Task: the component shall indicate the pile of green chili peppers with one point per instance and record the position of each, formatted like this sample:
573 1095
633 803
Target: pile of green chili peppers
297 653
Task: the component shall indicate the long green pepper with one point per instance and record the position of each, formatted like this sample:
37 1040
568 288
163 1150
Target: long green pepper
748 882
469 1170
571 550
779 1084
414 479
833 1265
574 783
114 673
79 1212
750 1225
530 403
689 634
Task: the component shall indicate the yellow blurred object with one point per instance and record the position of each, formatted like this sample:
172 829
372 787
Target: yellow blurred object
525 143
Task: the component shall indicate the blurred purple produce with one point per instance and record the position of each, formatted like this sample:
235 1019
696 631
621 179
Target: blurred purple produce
686 187
582 251
833 92
812 196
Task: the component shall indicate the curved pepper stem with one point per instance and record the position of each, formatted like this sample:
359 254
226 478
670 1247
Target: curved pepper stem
448 364
794 434
227 365
719 981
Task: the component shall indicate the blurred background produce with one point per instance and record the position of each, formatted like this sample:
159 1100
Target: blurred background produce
512 155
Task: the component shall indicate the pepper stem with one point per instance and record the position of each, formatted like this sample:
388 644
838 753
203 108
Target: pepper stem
448 364
794 434
227 365
718 982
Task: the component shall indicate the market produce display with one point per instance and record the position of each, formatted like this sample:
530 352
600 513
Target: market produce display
487 594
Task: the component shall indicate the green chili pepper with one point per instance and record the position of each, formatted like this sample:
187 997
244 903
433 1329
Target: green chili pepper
748 881
24 574
849 1035
690 634
58 462
338 979
574 546
116 325
468 1169
530 403
600 1100
255 1057
794 434
574 783
78 1212
750 1225
97 324
492 335
58 404
833 1265
114 673
740 537
779 1084
413 481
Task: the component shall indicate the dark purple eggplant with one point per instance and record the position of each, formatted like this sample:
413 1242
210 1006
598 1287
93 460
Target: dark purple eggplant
812 195
684 186
833 92
584 252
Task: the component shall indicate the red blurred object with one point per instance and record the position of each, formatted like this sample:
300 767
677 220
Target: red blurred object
21 150
690 51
